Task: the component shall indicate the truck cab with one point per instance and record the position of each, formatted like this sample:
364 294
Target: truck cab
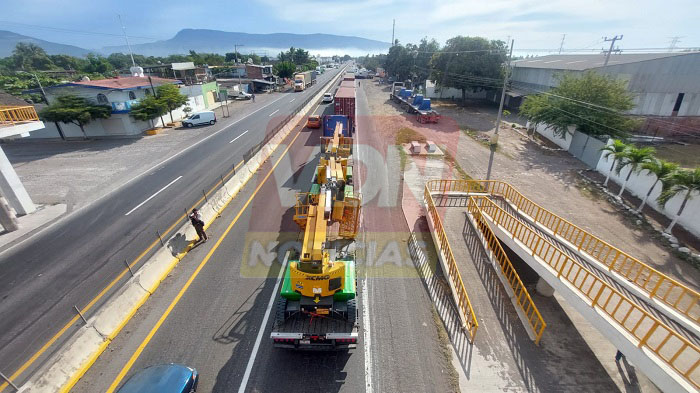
299 84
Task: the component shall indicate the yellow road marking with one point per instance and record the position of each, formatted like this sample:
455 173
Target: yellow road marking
194 275
109 286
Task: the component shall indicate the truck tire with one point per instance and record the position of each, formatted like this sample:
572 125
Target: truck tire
280 313
352 310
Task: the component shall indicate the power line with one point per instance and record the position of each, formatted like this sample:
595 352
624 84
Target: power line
72 30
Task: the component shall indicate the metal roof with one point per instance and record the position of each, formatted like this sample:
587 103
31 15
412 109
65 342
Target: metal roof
585 62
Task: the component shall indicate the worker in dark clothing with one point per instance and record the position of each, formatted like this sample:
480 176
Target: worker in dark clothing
619 355
252 97
198 224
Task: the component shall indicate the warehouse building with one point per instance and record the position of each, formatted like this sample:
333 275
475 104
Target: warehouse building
666 86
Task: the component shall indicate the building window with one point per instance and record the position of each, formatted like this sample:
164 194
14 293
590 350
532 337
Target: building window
677 106
102 99
132 95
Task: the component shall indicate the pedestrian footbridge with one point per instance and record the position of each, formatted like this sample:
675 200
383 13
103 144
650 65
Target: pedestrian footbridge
652 318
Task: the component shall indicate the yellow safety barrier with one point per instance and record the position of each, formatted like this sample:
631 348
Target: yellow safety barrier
16 114
465 306
675 350
655 284
521 295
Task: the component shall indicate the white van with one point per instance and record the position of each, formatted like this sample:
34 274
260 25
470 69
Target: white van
199 118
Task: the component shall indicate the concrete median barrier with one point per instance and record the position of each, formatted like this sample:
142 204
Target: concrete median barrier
74 358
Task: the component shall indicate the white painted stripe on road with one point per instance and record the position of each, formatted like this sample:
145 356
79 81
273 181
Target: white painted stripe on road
270 115
234 139
154 195
292 100
261 329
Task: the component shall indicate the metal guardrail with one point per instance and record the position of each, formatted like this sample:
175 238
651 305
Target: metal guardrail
655 284
17 114
648 331
525 302
470 323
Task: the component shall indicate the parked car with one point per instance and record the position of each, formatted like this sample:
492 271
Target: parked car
327 97
314 121
164 378
200 118
242 95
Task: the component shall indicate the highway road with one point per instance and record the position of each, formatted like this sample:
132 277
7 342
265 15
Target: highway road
210 313
77 261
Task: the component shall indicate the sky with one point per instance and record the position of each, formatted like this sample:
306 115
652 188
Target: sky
533 24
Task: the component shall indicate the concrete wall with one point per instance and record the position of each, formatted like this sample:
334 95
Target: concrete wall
547 132
434 91
639 184
209 87
578 145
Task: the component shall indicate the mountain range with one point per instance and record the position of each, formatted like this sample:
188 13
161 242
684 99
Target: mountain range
8 41
216 41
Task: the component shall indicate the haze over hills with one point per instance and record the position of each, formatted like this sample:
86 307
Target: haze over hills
8 41
217 41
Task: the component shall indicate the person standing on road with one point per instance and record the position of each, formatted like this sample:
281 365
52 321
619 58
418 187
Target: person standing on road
252 97
198 224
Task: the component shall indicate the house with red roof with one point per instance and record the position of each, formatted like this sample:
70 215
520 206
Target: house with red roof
119 93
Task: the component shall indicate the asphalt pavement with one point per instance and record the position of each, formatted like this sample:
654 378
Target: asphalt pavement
76 261
211 310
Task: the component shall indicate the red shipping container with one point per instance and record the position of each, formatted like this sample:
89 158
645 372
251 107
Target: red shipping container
345 104
350 84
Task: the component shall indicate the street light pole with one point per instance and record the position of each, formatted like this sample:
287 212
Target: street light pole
494 140
235 50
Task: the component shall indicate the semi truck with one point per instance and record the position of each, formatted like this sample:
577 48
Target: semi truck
344 104
302 80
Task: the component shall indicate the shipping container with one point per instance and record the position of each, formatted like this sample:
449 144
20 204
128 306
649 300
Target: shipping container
329 122
350 84
345 105
349 77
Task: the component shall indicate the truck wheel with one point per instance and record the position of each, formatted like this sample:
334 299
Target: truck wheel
352 310
281 311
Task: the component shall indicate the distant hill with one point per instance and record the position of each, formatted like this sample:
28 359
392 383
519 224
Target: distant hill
8 41
217 41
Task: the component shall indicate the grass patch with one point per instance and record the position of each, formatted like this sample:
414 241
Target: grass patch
403 156
444 341
408 135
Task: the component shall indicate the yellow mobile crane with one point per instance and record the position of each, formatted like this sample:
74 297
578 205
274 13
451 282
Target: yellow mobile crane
317 305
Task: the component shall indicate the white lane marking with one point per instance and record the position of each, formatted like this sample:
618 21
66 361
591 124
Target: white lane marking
154 195
135 178
234 139
292 100
270 115
261 330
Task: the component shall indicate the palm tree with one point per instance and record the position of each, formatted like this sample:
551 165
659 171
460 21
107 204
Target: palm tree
634 158
660 169
680 181
614 149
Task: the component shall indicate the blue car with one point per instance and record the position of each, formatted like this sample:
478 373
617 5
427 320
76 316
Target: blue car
164 378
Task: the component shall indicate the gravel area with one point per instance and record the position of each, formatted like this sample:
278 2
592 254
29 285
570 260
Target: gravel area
549 178
76 173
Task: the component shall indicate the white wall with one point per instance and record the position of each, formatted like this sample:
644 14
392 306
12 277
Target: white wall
548 133
639 184
196 103
432 91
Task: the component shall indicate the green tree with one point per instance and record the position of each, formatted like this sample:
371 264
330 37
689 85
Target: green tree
98 65
119 60
634 158
660 169
285 69
148 108
67 62
678 182
29 57
75 110
615 149
399 62
424 54
593 102
170 96
469 64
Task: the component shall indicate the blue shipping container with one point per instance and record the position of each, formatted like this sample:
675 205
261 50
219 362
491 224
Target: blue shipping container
417 99
425 105
329 122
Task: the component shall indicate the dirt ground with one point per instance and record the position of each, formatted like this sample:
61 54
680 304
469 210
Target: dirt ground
549 178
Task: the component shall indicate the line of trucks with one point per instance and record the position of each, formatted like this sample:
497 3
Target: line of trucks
413 103
317 304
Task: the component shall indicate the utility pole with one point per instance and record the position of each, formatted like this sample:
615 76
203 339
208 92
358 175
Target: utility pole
235 50
561 46
612 44
494 140
393 28
674 41
133 63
